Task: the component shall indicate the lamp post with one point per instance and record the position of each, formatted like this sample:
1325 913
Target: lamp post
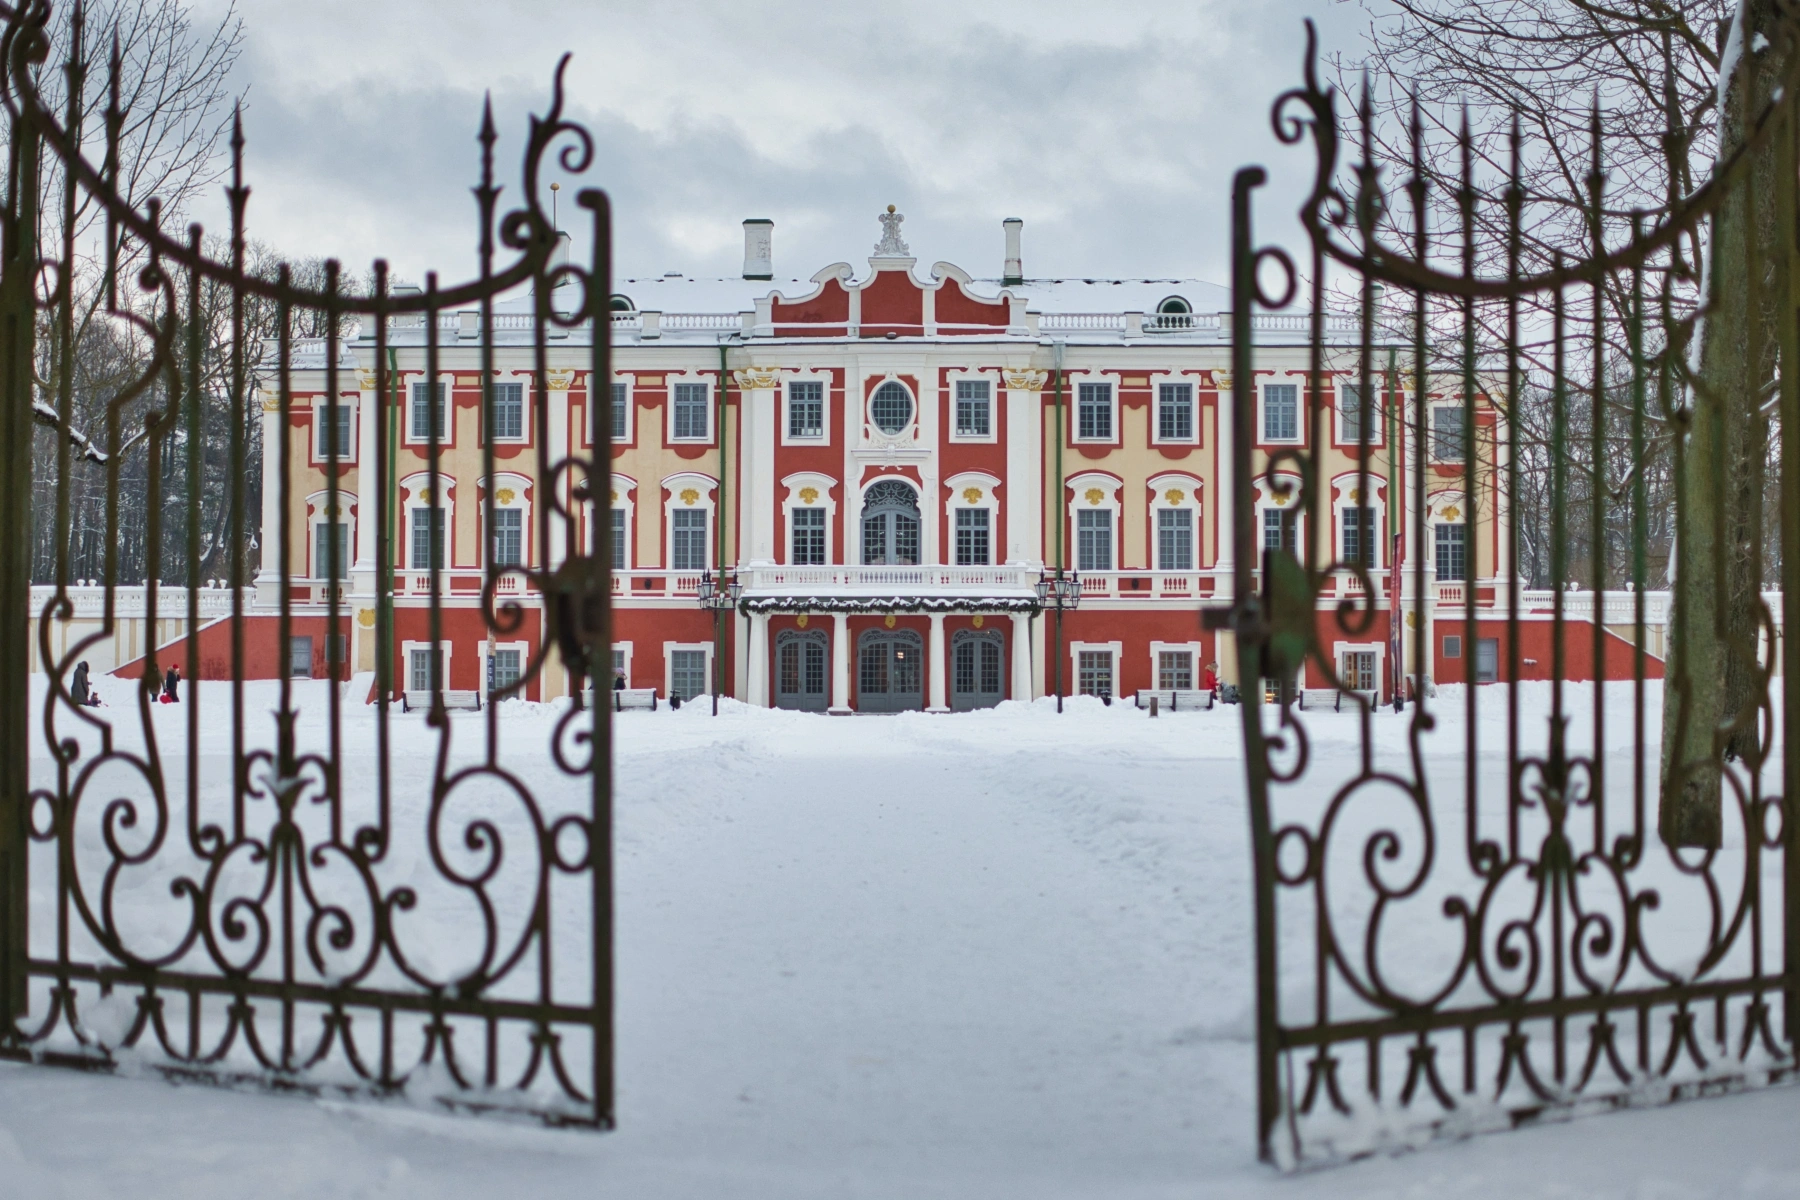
718 595
1059 590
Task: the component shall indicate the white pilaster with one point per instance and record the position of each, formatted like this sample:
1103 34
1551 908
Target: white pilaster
758 693
840 664
367 497
1224 481
757 464
556 395
1021 656
1024 466
934 660
268 575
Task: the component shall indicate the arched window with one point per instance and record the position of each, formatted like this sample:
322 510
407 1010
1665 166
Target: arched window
621 303
1174 304
891 408
890 524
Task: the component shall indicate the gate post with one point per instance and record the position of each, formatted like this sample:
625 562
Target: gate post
18 260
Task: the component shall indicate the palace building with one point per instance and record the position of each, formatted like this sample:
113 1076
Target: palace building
880 467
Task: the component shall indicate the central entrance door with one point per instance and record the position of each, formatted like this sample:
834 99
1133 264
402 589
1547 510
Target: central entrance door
977 674
800 672
889 675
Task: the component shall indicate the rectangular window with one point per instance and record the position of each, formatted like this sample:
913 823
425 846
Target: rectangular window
689 550
424 670
503 670
1175 412
687 673
974 408
1353 413
1175 670
1093 673
331 542
1093 412
509 412
427 416
1278 529
300 657
809 536
1452 554
806 409
619 412
690 412
618 662
1093 539
1174 539
618 539
334 419
972 537
427 538
1359 536
1452 646
509 537
337 649
1487 660
1447 432
1281 412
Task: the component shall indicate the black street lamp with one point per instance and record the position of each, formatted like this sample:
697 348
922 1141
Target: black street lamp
718 595
1061 591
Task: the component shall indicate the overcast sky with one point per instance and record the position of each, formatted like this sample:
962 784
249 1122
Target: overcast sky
1113 129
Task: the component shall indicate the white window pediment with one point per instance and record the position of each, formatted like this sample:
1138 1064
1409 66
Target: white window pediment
810 489
1093 489
971 489
1175 490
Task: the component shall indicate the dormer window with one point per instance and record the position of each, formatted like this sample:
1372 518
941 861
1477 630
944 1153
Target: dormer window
622 304
1174 304
1174 312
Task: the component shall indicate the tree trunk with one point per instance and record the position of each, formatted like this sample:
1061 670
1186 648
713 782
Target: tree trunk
1710 696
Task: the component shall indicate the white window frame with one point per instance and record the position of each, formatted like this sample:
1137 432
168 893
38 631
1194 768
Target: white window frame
1265 502
1341 649
1468 575
1190 487
517 484
1262 415
448 381
996 387
669 649
445 648
1341 523
348 404
872 432
1431 432
482 653
958 487
1079 487
622 488
525 400
629 382
1112 401
1157 380
413 485
672 487
1371 412
671 382
1115 649
795 484
823 379
312 546
1156 652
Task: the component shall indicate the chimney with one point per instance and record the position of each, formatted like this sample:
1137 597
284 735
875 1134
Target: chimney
559 257
759 248
1015 265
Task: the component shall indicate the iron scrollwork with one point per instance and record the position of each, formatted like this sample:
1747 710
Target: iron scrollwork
1469 932
278 905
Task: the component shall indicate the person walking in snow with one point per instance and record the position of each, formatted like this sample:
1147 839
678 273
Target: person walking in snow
78 684
1209 678
172 685
153 681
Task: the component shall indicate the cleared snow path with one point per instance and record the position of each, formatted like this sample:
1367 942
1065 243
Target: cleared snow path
1003 955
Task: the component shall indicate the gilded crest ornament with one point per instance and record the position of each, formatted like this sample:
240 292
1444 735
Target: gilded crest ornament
972 495
808 495
1094 496
505 495
1174 495
890 620
689 495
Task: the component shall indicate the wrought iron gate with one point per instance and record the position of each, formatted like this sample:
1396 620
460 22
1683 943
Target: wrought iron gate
274 884
1468 914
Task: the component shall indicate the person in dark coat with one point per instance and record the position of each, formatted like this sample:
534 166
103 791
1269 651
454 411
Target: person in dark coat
153 681
172 685
78 684
618 679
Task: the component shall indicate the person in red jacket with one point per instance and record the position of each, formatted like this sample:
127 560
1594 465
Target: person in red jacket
1209 678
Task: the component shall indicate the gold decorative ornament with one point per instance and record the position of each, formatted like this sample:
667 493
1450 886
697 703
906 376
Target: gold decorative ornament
1452 513
365 617
801 620
972 495
808 495
891 620
1028 380
505 495
689 495
757 379
366 380
1174 495
1281 499
559 381
424 496
1094 495
978 621
271 400
1222 380
1412 620
615 495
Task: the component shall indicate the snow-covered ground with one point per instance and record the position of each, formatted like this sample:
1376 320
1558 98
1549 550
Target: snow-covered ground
1005 954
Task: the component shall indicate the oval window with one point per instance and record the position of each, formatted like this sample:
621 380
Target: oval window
892 407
